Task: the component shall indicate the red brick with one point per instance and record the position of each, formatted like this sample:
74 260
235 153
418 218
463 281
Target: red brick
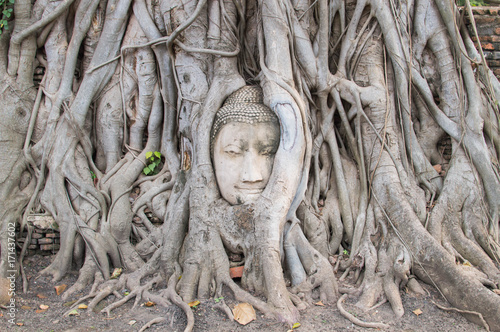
47 247
485 38
488 46
496 71
32 247
45 241
494 63
34 241
495 39
36 236
52 235
484 19
236 272
493 11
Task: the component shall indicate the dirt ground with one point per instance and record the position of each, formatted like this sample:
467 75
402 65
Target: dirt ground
29 317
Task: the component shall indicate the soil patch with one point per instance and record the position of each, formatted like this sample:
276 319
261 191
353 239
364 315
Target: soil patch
208 316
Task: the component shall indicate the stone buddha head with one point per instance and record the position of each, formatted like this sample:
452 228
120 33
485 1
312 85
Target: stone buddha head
244 139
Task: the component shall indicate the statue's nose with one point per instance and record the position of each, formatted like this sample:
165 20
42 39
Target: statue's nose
251 171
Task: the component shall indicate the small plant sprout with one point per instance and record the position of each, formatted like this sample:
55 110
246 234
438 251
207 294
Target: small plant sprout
7 11
218 299
153 160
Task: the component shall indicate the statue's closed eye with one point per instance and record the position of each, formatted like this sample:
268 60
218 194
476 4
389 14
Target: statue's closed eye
232 151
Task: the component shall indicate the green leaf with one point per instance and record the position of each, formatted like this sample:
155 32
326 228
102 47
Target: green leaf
149 154
146 170
11 1
157 154
156 162
152 167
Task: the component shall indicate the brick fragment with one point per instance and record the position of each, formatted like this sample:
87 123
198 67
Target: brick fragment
484 19
494 63
488 46
47 247
45 241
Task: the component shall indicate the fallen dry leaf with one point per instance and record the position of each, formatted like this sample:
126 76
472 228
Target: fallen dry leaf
417 312
82 306
41 296
20 324
73 312
496 291
132 322
39 311
295 325
116 273
149 304
44 306
319 303
25 307
60 289
244 313
467 263
194 304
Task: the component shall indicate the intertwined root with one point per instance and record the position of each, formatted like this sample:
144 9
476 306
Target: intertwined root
362 105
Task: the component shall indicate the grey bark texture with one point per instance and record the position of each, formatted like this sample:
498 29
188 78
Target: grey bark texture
365 91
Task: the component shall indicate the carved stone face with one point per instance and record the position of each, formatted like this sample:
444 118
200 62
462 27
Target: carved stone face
243 159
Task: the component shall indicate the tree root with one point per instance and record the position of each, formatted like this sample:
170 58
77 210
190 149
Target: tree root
356 320
156 320
485 325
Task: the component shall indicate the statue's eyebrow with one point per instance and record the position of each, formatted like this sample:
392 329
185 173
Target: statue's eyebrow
239 144
269 143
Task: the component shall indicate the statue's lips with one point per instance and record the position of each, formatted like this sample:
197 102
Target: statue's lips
250 191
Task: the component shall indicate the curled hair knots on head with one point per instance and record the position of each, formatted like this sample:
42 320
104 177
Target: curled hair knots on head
244 105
